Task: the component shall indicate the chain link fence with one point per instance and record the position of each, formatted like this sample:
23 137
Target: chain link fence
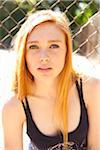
83 15
13 14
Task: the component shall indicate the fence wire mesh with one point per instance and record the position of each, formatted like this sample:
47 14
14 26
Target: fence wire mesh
84 16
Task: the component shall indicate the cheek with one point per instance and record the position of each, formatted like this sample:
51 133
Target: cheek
61 58
30 61
60 61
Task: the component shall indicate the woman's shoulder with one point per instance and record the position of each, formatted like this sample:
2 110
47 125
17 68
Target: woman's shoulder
91 89
91 82
13 107
12 103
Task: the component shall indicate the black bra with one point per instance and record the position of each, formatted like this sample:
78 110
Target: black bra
76 138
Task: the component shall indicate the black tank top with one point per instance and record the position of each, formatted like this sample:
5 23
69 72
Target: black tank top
77 139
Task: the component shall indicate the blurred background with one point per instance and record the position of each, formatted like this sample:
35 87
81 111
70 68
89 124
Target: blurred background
84 18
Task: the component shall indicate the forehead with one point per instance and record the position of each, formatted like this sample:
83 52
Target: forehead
47 30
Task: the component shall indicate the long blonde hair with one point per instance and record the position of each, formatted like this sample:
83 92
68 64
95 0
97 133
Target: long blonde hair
22 82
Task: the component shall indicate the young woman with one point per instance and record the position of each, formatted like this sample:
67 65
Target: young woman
59 108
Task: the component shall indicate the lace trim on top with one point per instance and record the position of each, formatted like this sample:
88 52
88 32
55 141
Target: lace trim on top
62 146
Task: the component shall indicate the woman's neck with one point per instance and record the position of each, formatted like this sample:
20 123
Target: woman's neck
45 89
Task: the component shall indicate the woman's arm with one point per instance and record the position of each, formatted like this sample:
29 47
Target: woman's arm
94 114
13 119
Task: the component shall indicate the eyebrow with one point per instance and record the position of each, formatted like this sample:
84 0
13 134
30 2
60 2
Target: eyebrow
50 41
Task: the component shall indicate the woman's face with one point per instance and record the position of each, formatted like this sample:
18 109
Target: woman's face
45 51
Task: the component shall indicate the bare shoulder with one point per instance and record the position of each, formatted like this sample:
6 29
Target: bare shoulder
91 81
13 107
13 118
91 87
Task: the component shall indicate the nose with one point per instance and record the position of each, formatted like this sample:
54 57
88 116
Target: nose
44 57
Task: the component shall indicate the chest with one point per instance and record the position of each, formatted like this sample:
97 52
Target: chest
43 114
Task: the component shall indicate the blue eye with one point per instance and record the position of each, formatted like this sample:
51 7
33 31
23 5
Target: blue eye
54 46
33 47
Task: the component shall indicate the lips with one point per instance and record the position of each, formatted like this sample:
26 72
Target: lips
44 68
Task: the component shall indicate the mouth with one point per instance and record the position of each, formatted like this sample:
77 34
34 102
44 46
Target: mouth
44 69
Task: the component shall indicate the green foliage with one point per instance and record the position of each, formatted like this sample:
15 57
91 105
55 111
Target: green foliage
12 13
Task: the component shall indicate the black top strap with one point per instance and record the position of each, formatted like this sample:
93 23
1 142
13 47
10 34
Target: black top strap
27 108
79 87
